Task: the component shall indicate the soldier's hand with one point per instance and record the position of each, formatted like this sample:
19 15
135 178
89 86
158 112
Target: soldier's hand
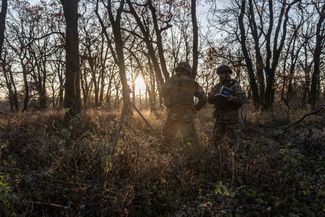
231 98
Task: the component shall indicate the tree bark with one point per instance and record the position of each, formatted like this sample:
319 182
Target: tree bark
117 32
3 14
249 63
26 88
315 78
259 59
11 87
159 40
195 39
72 99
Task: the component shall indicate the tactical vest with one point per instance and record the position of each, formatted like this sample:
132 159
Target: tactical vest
180 92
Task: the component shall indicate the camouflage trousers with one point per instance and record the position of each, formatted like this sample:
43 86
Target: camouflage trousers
179 130
226 133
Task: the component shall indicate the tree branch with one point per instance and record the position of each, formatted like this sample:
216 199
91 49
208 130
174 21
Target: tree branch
302 118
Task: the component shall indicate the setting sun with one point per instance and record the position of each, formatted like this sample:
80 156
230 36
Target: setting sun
140 86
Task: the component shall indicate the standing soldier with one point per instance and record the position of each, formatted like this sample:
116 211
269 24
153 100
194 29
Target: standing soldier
178 94
227 97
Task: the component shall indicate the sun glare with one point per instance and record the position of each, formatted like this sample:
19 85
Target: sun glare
140 86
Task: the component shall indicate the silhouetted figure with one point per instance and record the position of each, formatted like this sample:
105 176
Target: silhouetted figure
178 94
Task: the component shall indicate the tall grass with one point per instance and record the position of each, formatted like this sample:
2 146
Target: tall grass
54 169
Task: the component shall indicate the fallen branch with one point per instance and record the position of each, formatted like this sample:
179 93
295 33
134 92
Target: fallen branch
120 126
145 120
48 204
312 113
4 113
302 118
117 134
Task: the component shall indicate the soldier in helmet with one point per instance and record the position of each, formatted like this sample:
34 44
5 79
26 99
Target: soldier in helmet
227 97
178 94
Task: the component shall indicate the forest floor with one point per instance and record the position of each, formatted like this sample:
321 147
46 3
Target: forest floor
48 168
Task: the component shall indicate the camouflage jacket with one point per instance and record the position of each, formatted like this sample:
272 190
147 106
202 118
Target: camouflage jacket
179 92
227 111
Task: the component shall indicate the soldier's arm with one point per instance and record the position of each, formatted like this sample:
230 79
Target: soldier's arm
200 94
211 95
239 94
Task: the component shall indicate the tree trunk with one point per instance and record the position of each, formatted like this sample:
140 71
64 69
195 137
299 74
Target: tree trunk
118 53
159 40
12 92
153 61
195 39
259 59
11 86
26 89
3 13
315 78
121 65
102 86
72 99
269 92
249 63
133 90
305 94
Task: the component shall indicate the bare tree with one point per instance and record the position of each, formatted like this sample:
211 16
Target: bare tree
268 39
10 82
19 40
159 31
118 52
249 62
146 35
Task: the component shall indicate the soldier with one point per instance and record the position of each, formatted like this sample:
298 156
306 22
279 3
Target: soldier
227 97
178 94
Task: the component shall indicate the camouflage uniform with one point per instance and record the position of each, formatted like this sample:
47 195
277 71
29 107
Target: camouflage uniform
226 125
178 93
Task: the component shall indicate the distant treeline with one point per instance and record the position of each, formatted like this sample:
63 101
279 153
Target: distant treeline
79 54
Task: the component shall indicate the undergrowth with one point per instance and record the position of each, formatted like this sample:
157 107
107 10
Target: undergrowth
48 168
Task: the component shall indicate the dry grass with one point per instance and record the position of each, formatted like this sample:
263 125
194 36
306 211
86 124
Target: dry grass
53 169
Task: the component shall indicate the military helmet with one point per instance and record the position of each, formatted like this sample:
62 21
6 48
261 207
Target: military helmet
223 68
183 66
